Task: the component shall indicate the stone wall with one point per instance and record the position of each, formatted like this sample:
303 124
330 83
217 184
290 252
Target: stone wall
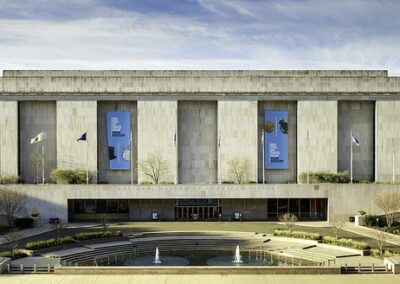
197 132
237 127
320 119
36 117
73 119
8 138
158 133
359 117
387 125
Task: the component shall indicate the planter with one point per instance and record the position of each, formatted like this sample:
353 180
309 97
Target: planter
359 220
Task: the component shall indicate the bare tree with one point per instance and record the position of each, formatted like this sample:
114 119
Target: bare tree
389 202
289 219
11 203
381 236
336 227
239 168
58 228
154 166
12 238
105 222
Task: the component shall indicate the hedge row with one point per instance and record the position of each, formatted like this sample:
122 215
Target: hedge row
17 254
297 235
68 176
96 235
48 243
325 177
350 243
386 253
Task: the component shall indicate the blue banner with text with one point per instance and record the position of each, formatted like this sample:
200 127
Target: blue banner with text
276 139
118 134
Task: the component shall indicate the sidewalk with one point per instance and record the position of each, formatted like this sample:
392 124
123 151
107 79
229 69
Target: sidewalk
23 234
371 233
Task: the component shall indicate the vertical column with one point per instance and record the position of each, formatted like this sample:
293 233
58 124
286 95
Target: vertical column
73 119
158 133
320 119
9 138
237 127
387 125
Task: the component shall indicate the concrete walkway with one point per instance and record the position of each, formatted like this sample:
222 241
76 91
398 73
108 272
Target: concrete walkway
45 228
201 279
371 233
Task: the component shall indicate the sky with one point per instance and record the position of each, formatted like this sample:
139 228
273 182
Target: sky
200 34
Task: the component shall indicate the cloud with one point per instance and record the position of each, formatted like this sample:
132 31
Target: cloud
215 34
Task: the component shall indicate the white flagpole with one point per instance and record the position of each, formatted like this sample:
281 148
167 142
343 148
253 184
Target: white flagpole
131 156
87 159
351 156
308 159
219 159
394 178
263 160
43 161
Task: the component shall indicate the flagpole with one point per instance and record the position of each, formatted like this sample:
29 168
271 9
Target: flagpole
308 159
351 156
263 160
131 156
219 159
43 160
87 159
394 178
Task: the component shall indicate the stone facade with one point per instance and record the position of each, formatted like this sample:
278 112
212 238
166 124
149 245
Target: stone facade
73 119
8 137
158 133
320 119
387 125
197 132
237 128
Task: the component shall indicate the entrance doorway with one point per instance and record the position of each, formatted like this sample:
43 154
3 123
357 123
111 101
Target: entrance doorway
197 209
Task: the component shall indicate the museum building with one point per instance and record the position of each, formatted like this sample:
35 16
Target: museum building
279 123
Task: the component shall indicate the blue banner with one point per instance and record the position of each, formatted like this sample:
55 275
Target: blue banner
276 139
118 132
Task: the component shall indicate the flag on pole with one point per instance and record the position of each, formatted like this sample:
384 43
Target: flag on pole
394 149
354 139
83 137
40 137
219 142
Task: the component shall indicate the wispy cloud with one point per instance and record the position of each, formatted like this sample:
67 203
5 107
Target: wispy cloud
203 34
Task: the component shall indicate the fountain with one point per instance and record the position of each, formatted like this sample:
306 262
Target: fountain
238 258
157 257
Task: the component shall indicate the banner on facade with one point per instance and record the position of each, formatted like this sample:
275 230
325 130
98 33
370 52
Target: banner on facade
118 132
276 139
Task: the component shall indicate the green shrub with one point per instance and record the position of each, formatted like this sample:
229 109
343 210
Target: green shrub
96 235
251 182
23 223
17 254
325 177
48 243
68 176
146 182
297 235
9 179
166 182
370 220
228 182
350 243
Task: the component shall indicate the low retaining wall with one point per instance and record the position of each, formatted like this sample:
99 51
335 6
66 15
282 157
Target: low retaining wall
83 270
